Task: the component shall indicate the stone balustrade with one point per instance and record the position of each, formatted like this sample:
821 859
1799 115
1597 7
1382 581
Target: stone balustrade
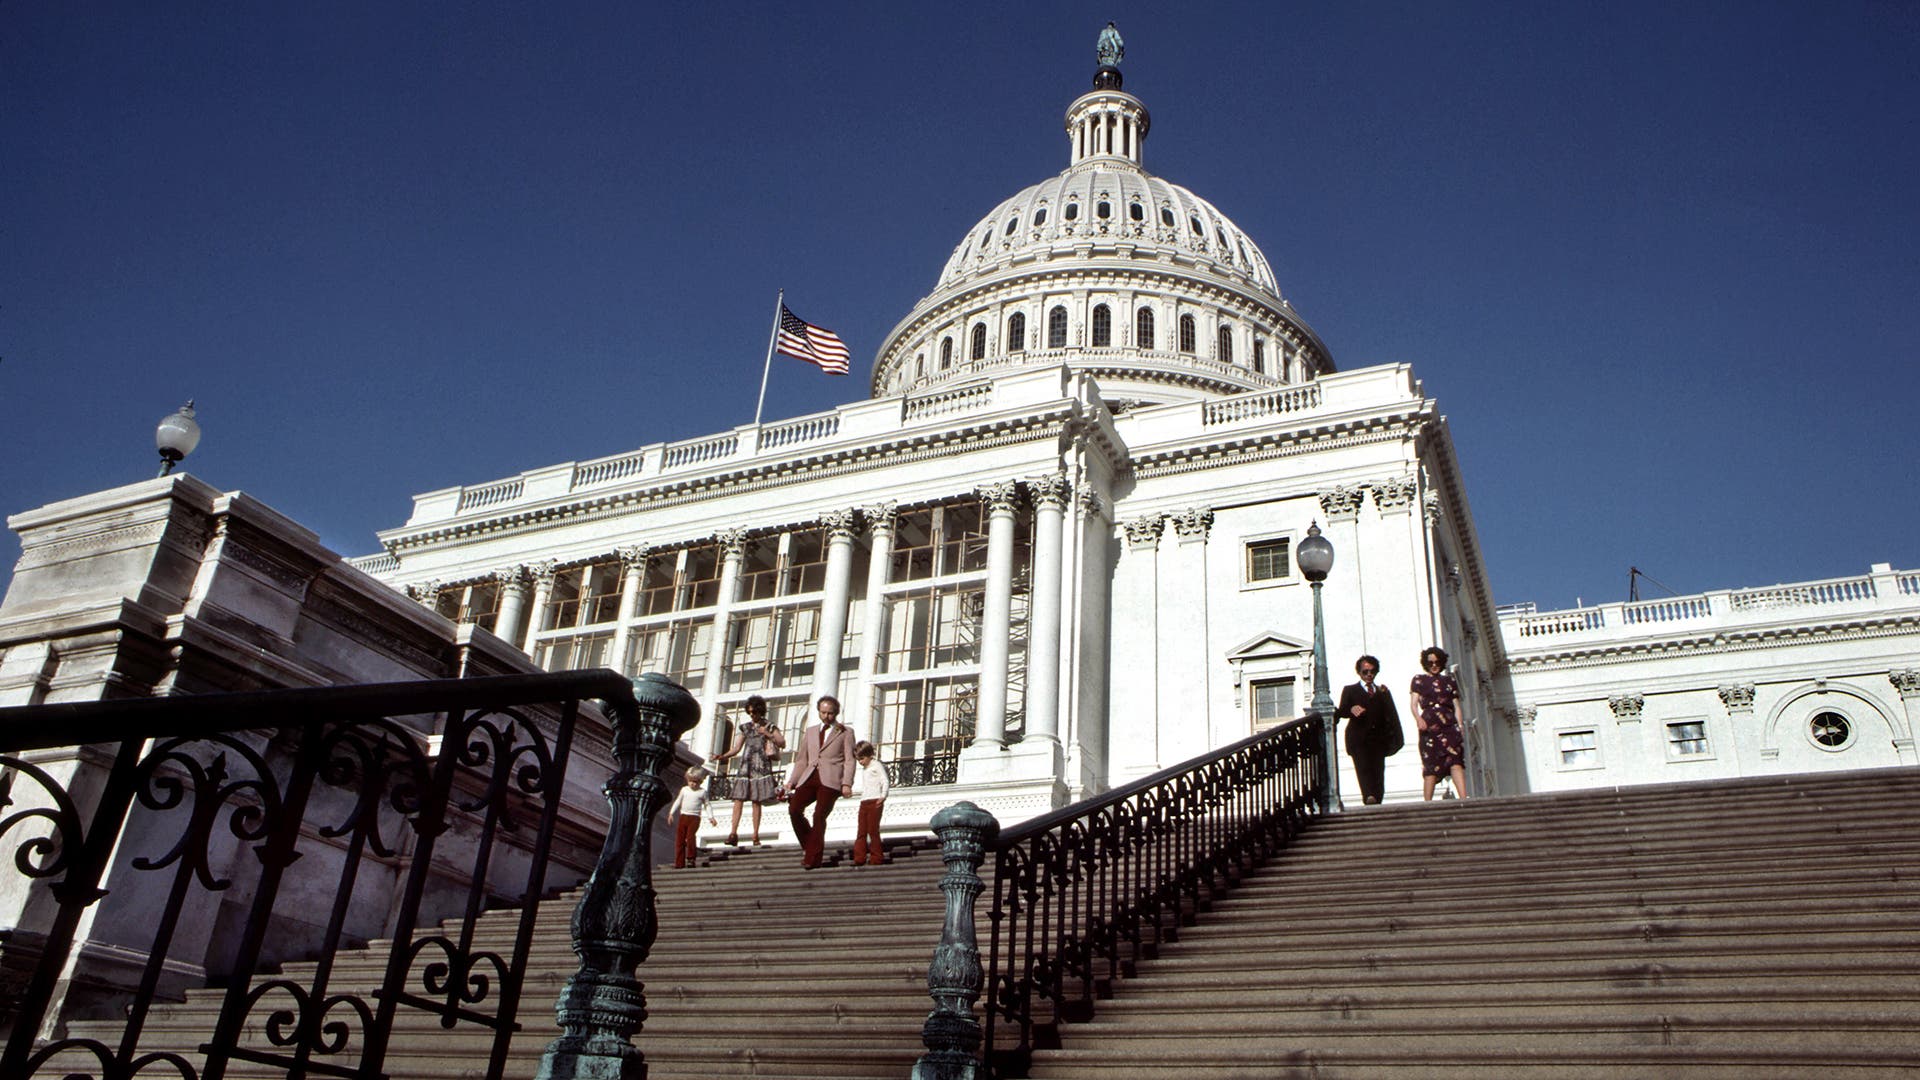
1881 589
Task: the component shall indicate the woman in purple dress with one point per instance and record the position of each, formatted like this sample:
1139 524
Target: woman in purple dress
1436 711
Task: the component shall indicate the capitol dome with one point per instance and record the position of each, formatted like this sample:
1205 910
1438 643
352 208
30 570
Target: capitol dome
1110 270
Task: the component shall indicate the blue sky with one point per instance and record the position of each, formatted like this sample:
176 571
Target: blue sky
1658 262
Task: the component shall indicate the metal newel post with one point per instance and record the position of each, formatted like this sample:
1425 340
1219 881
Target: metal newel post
602 1006
954 979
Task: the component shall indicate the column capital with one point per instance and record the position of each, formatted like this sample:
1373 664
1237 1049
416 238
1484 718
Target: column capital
542 573
1089 504
1050 492
1626 707
1430 506
880 515
1342 503
1737 697
1907 681
1396 496
425 593
634 557
1144 532
511 577
840 524
1192 524
733 542
1001 497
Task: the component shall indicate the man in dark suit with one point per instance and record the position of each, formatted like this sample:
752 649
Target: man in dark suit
823 768
1373 728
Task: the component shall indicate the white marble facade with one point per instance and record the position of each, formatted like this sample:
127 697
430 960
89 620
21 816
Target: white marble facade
1803 677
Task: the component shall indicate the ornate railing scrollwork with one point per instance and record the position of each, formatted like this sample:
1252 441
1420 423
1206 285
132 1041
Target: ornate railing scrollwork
1083 894
255 798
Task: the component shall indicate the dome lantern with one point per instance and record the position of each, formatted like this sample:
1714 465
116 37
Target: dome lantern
1107 123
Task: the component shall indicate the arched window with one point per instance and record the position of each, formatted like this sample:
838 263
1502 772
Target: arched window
1039 217
1073 210
979 341
1137 212
920 366
1143 328
1226 345
946 353
1166 216
1259 356
1057 328
1102 326
1017 332
1186 333
1103 210
1198 229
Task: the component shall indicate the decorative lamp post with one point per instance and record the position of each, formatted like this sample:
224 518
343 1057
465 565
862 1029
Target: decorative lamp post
1315 556
176 437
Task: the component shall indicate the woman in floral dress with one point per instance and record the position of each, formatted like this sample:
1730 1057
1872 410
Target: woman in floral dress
757 744
1436 711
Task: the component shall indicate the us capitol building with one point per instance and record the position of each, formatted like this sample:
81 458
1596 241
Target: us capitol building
1051 553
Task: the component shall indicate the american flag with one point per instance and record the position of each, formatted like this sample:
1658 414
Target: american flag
804 341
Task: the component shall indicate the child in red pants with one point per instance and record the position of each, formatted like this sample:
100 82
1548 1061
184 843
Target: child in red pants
686 809
870 785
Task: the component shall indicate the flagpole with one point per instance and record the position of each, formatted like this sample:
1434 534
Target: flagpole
773 335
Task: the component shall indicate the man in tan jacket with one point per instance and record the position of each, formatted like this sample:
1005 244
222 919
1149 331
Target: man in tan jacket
823 769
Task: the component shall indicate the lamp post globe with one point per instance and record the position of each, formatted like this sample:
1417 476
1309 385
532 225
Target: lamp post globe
1315 559
176 437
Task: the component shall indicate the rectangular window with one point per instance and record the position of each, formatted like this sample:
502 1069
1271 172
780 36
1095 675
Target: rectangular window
656 585
772 647
1268 560
759 568
677 650
935 627
923 725
806 565
584 595
478 603
1687 738
578 652
1272 703
1579 749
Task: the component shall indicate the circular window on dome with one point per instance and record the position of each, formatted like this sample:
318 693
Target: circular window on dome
1830 730
1039 217
1073 210
1166 216
1198 229
1104 210
1012 224
1137 212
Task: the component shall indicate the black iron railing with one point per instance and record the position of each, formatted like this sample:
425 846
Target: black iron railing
276 805
1083 894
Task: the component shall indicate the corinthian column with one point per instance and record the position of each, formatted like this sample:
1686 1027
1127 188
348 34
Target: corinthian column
990 727
513 603
542 593
733 545
633 570
840 526
873 635
1043 639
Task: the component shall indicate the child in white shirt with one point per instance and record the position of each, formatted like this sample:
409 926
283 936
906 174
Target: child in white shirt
686 808
870 784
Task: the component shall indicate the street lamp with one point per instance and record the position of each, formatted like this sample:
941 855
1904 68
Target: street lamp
176 437
1315 557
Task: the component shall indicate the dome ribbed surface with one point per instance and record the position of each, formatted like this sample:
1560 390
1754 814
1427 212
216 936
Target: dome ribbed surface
1171 219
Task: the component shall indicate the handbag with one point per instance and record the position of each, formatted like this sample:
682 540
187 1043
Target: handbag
1392 739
